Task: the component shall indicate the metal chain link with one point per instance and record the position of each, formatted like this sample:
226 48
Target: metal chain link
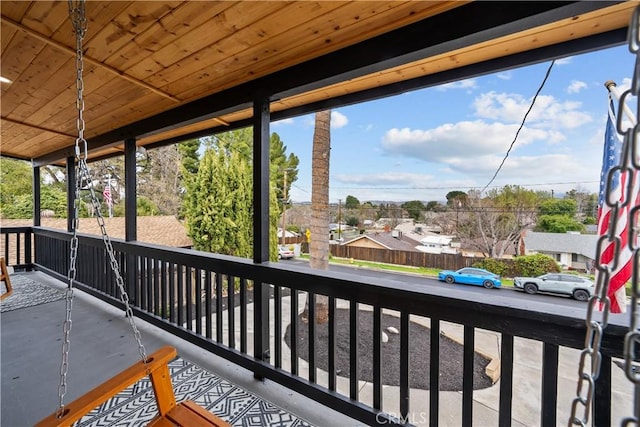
600 304
78 19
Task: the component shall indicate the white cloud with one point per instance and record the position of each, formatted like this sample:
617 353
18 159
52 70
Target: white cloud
462 84
576 86
564 61
338 120
462 140
506 75
547 111
283 122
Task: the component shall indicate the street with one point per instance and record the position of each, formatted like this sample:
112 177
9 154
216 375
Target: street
504 292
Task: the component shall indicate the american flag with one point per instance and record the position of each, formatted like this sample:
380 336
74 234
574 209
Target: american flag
619 184
107 195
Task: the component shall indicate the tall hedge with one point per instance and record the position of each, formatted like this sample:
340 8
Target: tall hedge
525 265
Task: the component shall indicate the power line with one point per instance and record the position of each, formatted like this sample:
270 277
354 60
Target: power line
458 186
521 125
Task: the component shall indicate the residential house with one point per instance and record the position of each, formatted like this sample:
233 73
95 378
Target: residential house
572 250
390 240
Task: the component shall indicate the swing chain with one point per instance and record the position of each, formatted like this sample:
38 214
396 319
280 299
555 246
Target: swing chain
591 357
79 22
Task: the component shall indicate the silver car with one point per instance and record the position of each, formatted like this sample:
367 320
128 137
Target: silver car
580 288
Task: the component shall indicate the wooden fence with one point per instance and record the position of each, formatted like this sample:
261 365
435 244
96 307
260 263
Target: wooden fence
411 258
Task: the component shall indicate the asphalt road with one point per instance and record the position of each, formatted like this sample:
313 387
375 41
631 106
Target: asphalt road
505 292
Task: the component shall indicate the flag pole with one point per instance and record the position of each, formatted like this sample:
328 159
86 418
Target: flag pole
613 89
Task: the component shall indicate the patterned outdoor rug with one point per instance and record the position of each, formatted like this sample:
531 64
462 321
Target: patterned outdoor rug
136 406
27 293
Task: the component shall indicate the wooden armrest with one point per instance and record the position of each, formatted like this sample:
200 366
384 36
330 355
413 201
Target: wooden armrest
75 410
197 416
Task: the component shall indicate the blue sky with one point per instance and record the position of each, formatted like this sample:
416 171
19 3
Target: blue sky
422 144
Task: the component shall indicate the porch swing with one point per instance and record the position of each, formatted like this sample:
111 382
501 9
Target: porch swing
170 413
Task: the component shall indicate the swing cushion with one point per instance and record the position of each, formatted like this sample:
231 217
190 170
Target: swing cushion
187 413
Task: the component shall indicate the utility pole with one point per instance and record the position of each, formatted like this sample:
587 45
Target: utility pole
284 206
339 217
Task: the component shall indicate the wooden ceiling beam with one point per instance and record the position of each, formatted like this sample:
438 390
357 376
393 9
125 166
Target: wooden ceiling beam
37 127
72 52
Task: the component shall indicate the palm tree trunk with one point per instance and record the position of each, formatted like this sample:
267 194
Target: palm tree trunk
319 244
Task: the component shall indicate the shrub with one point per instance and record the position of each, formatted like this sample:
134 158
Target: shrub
526 265
498 266
535 265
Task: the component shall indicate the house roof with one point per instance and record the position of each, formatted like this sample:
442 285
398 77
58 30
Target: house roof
583 244
159 230
163 72
386 240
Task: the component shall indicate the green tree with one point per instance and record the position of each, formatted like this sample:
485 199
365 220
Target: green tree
496 221
219 205
453 196
219 199
351 202
353 221
414 208
241 141
189 157
558 207
16 178
558 224
433 206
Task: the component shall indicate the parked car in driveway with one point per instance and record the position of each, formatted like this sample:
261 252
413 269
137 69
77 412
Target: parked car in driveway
580 288
471 276
284 252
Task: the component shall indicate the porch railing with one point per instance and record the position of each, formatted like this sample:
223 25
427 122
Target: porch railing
191 293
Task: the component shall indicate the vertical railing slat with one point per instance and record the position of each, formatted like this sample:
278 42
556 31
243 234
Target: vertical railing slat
311 298
180 301
231 311
164 297
377 357
208 298
434 373
354 336
602 398
243 315
294 331
506 381
331 345
549 396
467 376
197 299
219 285
172 293
277 306
404 364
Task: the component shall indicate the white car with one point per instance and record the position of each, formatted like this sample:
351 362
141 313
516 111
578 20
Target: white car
284 252
578 287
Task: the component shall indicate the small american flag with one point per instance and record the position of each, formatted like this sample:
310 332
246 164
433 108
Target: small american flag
107 195
619 183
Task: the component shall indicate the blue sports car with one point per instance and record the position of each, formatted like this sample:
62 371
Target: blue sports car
471 276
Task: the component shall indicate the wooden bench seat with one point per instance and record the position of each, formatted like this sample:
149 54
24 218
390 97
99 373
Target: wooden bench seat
170 413
4 277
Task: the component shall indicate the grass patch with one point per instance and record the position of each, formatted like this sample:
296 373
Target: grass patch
424 271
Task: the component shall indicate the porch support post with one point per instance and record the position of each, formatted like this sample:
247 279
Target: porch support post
36 197
130 207
261 117
71 192
131 214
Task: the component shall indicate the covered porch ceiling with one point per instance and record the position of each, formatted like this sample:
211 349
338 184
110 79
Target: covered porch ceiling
162 72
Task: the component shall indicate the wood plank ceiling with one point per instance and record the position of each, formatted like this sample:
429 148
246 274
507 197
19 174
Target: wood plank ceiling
148 58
